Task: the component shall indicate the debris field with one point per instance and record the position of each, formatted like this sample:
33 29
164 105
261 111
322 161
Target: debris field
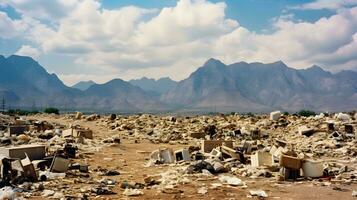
232 156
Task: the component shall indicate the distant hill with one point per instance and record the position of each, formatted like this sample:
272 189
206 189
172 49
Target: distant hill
119 95
215 86
257 87
158 87
24 83
83 85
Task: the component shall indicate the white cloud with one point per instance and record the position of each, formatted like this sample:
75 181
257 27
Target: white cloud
42 9
326 4
130 42
10 28
26 50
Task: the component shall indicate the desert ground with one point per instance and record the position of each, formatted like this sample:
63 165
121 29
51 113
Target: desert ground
140 135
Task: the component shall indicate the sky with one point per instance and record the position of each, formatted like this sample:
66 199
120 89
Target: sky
100 40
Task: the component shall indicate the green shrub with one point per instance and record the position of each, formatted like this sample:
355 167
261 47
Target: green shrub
51 110
306 113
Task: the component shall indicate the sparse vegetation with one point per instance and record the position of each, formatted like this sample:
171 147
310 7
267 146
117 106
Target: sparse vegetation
250 114
306 113
51 110
21 112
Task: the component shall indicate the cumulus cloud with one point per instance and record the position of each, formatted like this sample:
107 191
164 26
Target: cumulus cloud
42 9
326 4
299 44
26 50
130 42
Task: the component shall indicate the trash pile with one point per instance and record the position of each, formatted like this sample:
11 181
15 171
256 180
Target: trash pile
39 158
281 148
36 156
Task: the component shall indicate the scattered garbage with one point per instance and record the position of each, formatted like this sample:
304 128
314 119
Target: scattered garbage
258 193
231 180
205 152
132 192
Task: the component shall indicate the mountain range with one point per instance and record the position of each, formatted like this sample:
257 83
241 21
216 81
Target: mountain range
215 86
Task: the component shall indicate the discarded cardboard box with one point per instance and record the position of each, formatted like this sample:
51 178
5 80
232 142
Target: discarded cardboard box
261 158
59 165
208 145
34 152
182 154
290 162
29 169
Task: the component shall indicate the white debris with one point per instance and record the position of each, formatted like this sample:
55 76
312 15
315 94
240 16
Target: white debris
47 193
206 172
132 192
7 193
215 185
231 180
259 193
52 175
202 190
343 117
354 193
274 116
320 116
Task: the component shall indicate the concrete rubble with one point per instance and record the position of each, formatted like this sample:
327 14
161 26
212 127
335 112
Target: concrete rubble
207 152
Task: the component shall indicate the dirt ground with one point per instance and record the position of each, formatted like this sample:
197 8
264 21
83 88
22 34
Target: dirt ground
129 159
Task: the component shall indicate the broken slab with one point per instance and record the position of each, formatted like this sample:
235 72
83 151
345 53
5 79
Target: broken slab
208 145
229 151
197 135
304 130
76 132
261 158
34 152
